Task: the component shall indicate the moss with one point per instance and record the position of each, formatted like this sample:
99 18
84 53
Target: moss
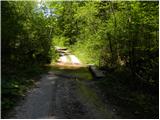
79 72
90 95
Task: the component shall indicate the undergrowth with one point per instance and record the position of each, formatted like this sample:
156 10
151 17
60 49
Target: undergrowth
15 84
135 102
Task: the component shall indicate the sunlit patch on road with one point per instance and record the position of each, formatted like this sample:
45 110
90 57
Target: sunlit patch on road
74 60
67 59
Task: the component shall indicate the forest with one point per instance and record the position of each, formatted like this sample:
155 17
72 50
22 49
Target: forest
120 38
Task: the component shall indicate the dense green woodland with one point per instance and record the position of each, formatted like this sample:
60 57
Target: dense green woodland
120 38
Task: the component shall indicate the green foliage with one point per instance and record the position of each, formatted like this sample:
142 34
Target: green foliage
15 84
109 34
115 35
119 92
30 33
60 41
26 35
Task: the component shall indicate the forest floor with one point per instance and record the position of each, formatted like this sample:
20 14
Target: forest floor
66 91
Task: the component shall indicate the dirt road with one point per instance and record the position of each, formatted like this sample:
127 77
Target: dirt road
64 93
72 59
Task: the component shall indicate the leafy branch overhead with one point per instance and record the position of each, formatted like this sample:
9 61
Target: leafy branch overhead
112 35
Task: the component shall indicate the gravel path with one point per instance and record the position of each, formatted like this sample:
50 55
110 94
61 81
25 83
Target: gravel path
53 97
63 59
37 102
71 59
59 96
74 59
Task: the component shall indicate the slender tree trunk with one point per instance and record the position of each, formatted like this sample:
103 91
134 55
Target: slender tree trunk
131 47
115 33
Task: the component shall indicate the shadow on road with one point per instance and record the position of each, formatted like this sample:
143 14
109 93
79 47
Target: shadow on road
65 92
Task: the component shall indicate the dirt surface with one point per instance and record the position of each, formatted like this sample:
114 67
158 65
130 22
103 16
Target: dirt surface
70 59
57 96
64 93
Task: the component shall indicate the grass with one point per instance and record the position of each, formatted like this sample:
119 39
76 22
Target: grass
81 72
90 96
115 87
15 84
133 103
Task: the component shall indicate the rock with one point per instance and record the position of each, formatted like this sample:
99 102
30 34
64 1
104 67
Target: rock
97 73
